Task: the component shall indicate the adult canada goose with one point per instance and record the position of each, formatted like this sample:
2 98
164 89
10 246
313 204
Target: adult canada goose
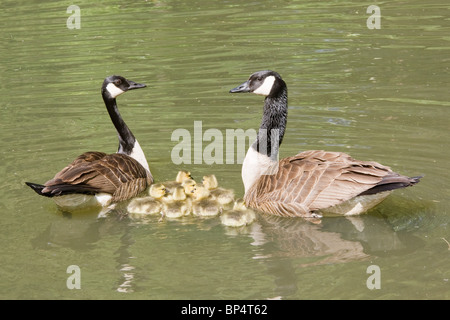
151 204
312 181
97 178
239 216
223 196
179 206
203 204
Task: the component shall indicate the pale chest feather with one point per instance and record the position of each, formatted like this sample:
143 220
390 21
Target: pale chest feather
254 166
139 156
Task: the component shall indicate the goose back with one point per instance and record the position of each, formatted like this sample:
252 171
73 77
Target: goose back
96 172
315 180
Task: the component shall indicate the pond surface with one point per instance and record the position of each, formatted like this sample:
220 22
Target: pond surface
378 94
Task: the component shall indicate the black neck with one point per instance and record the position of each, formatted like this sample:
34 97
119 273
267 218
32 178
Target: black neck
273 124
126 137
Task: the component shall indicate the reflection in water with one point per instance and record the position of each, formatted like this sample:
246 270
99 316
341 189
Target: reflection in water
124 258
336 240
300 239
82 233
283 245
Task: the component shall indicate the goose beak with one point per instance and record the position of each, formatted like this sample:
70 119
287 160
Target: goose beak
241 88
134 85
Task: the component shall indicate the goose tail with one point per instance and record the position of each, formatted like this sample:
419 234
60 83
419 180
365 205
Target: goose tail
38 189
392 182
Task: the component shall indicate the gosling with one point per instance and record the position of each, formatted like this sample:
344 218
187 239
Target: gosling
148 205
182 175
238 217
203 205
189 187
179 206
223 196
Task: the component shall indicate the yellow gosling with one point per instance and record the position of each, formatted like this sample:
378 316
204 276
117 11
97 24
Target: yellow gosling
182 175
223 196
189 187
157 190
238 217
203 205
148 205
179 206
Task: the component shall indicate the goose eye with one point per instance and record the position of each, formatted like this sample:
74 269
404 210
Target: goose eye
117 82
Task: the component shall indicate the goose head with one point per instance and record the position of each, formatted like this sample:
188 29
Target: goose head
113 86
266 83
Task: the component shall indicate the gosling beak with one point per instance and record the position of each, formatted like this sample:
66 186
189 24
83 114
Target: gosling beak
241 88
134 85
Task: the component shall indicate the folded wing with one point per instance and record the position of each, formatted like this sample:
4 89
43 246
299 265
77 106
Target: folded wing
316 179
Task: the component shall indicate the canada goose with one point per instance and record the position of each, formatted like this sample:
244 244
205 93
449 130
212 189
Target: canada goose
203 205
97 178
312 181
239 216
223 196
151 204
179 206
182 175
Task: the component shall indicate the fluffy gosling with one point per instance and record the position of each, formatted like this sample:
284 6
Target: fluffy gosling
148 205
178 206
238 217
223 196
203 205
182 175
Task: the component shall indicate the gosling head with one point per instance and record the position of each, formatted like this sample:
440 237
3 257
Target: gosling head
210 182
265 83
114 86
189 186
239 204
201 192
183 175
157 190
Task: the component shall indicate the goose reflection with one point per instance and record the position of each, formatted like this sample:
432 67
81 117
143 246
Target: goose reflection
82 233
288 245
284 245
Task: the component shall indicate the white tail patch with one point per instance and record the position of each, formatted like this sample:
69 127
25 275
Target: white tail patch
266 87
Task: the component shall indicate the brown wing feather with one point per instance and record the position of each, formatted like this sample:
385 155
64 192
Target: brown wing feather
313 180
84 158
93 172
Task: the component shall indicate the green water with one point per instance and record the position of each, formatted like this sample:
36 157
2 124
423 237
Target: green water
378 94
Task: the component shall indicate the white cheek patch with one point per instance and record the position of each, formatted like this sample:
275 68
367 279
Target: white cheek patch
113 90
266 87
